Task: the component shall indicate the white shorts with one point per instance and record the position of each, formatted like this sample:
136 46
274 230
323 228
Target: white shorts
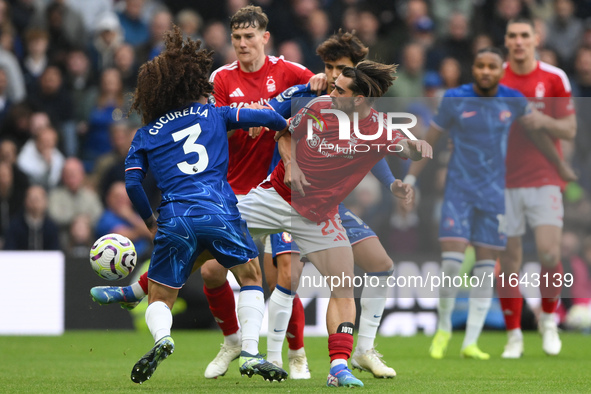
266 212
537 206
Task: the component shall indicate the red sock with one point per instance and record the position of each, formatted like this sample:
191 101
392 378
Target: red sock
295 329
551 293
340 345
223 307
511 304
143 281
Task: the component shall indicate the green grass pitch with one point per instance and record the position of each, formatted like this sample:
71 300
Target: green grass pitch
101 361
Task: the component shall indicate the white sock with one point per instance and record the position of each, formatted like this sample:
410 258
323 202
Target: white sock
159 320
251 306
451 263
232 339
546 317
373 301
137 290
480 300
515 334
280 306
338 361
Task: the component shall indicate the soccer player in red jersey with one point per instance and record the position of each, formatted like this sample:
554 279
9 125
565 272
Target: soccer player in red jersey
534 183
253 78
304 191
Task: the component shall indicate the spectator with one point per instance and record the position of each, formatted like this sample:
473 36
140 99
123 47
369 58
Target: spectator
410 79
80 237
216 38
80 81
5 103
51 97
161 22
11 199
107 38
190 23
443 11
91 11
32 229
103 109
16 124
135 31
111 166
120 137
119 217
450 72
564 33
41 160
292 51
125 63
16 84
495 16
35 62
73 198
458 43
317 27
63 23
20 182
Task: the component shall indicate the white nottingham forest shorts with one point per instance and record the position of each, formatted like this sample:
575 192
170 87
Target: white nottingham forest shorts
537 206
266 212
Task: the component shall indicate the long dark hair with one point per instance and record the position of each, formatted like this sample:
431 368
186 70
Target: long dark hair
173 79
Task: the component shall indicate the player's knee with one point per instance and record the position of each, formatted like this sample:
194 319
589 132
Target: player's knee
249 274
214 275
549 256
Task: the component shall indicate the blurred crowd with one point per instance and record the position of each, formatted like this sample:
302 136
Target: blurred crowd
68 67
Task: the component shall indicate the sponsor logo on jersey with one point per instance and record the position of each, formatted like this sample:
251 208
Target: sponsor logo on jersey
237 93
468 114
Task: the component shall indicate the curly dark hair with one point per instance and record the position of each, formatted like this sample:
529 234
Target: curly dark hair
173 79
342 44
370 79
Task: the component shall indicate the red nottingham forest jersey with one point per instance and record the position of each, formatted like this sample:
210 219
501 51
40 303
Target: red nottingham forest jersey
549 91
333 167
250 158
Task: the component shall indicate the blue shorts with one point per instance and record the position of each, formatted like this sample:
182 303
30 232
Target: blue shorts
464 221
180 240
282 243
356 228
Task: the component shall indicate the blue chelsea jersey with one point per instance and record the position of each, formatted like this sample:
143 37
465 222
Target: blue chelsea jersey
187 150
479 129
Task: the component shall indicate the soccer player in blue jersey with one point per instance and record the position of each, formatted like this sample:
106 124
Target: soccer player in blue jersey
478 117
184 141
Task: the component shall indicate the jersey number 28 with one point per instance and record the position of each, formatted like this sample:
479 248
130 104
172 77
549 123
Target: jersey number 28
190 146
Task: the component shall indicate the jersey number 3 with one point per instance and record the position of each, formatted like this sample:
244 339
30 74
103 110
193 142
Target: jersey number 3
190 146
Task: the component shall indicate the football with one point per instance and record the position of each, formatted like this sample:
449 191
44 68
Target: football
113 256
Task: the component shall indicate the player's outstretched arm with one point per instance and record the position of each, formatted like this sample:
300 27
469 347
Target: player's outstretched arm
535 126
562 128
415 149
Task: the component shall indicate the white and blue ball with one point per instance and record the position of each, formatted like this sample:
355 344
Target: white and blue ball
113 256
